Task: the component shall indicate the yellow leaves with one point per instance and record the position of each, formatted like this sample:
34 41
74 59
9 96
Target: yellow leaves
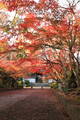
77 21
3 46
15 20
20 46
2 6
2 49
27 51
16 68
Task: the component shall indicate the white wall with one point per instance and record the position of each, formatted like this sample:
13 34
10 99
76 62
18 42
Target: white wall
30 80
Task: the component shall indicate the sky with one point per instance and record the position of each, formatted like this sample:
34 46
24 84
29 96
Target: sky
64 3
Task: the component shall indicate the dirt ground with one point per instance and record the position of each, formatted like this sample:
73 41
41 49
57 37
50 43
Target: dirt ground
31 104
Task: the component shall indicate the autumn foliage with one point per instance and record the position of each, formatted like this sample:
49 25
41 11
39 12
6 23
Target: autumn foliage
40 37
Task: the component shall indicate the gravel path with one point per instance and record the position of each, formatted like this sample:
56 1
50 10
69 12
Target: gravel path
31 104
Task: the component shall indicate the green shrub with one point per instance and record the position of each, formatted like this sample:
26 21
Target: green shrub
27 83
54 85
20 83
1 86
1 83
65 89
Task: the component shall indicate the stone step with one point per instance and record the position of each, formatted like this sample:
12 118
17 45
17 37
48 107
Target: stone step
40 84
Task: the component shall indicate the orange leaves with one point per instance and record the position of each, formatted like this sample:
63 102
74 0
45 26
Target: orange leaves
77 22
8 65
30 16
29 36
15 66
49 31
53 4
63 27
63 30
57 67
43 24
24 25
46 4
41 4
2 6
30 21
14 4
3 45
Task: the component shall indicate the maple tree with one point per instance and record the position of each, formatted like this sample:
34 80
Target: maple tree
40 37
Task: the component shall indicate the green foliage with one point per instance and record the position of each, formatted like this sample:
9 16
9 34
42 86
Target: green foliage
1 69
20 83
27 83
21 79
65 89
1 85
20 56
54 85
6 80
